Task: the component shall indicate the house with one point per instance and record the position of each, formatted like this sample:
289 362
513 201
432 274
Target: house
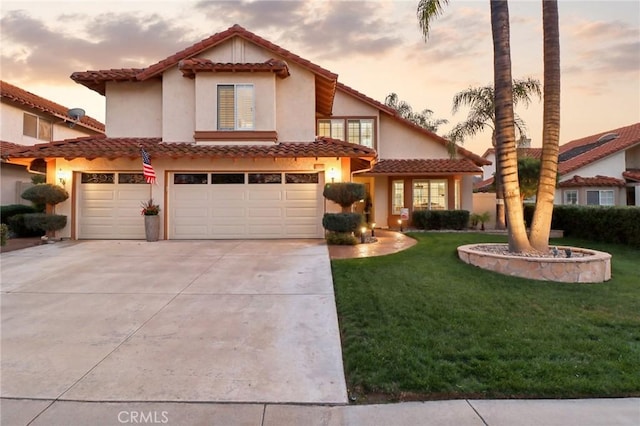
27 119
601 169
243 134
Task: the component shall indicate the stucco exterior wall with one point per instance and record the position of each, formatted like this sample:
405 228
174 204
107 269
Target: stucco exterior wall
612 165
400 142
346 105
178 107
381 201
296 106
13 180
134 109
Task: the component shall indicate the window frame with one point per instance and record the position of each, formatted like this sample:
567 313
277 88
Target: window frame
238 89
568 192
600 192
427 201
40 126
339 128
397 196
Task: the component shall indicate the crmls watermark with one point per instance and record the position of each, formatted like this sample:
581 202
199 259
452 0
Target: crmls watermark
143 417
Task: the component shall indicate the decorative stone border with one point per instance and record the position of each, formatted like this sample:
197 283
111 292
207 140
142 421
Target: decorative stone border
593 267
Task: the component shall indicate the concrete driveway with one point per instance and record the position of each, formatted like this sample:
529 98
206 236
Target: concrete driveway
225 321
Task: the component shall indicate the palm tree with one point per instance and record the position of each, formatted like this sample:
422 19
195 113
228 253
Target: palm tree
423 118
541 224
481 116
507 159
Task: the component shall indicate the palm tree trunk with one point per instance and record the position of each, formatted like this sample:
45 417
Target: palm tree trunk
541 225
505 128
500 213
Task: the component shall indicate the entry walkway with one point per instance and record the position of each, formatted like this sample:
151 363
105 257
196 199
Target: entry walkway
388 242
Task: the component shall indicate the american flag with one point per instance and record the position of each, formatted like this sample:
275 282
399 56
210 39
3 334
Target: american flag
147 169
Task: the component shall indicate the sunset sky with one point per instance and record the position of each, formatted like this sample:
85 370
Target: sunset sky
374 46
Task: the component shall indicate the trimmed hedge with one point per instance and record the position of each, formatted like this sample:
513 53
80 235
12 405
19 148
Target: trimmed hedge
45 193
4 234
19 229
341 239
618 225
44 221
440 219
342 222
10 210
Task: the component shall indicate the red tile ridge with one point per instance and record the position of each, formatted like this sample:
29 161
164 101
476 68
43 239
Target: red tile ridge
598 180
235 30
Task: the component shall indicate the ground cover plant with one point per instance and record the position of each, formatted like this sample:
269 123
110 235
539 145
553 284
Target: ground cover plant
420 324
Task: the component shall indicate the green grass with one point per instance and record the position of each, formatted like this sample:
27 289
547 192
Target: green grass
420 324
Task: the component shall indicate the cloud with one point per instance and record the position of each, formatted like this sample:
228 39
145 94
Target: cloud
604 47
108 40
327 29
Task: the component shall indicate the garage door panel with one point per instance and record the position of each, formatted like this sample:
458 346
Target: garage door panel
194 230
221 194
297 212
102 194
308 194
265 195
262 212
231 212
195 212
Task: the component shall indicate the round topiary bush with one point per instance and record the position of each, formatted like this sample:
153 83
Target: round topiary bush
344 193
45 193
45 222
342 222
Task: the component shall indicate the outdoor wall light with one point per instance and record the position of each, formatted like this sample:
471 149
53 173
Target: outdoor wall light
332 174
363 231
62 176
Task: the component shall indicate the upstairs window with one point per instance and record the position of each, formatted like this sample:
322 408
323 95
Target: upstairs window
354 130
571 196
236 109
36 127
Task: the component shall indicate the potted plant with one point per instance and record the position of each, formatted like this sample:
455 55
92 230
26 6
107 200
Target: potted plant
150 212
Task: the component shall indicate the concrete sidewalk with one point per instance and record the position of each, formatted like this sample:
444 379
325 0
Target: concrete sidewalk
584 412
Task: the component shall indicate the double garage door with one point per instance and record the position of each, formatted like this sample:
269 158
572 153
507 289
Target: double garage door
204 205
244 205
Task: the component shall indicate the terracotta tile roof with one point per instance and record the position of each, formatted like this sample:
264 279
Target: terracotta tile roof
112 148
632 174
580 152
325 80
422 167
96 80
30 100
7 148
394 114
578 181
484 185
191 66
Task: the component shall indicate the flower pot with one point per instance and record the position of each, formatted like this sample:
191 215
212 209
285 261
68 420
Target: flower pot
152 227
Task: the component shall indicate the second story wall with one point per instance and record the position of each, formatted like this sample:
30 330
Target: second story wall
47 127
134 109
632 157
178 107
401 142
612 166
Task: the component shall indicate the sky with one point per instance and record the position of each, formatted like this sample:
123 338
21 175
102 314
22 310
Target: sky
375 47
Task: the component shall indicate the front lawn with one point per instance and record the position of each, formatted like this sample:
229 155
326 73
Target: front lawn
421 324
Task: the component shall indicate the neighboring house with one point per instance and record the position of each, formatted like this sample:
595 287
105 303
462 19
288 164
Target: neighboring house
25 120
601 169
243 135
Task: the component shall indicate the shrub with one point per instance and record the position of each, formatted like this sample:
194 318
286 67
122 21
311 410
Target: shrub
341 239
44 221
342 222
440 219
18 227
4 231
45 193
619 225
10 210
344 193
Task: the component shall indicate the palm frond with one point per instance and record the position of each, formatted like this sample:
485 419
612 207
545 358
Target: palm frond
427 11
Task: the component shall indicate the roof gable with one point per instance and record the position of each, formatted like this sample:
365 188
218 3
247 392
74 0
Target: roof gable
32 101
325 80
394 114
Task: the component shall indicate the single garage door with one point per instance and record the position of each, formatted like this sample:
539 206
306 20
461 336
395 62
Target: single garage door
109 205
245 205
